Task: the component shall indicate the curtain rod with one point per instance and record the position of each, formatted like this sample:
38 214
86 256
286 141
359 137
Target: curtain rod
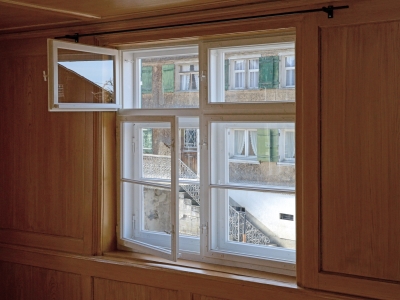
328 10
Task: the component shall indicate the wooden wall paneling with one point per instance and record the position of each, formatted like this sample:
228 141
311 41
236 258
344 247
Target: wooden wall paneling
47 179
358 247
15 281
201 297
110 289
307 153
360 142
55 285
27 282
149 277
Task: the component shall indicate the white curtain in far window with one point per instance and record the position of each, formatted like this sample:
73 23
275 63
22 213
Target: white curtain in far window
289 145
239 142
253 140
185 80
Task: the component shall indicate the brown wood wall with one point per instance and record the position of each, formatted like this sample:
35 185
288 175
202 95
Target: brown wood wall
57 174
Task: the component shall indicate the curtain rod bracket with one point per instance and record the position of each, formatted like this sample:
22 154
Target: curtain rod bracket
74 37
329 11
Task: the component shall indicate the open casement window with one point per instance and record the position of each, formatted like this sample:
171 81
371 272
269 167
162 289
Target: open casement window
248 70
82 77
246 200
149 185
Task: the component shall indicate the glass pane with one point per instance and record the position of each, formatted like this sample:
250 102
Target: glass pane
156 162
289 61
250 73
189 183
85 77
171 75
253 154
147 215
249 222
290 78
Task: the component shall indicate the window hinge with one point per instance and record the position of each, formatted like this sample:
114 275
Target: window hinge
203 143
44 76
133 222
133 145
204 228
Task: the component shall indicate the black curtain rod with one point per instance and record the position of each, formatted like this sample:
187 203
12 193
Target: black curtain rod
329 10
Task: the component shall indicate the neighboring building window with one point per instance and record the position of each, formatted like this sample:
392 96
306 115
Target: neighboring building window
244 144
288 65
189 77
288 153
245 74
190 138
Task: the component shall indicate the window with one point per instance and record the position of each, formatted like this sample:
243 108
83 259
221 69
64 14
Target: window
82 78
189 77
288 78
245 74
242 144
244 161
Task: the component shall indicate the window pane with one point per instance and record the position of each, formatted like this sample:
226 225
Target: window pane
290 77
170 75
289 61
254 69
250 222
253 154
147 214
85 77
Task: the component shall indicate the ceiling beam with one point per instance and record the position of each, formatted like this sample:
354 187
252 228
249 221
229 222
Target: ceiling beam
50 9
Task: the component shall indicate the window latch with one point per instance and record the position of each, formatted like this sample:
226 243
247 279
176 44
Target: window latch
203 75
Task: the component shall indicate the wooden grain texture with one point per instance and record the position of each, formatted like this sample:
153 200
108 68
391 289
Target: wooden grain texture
183 280
110 289
27 282
360 140
47 166
201 297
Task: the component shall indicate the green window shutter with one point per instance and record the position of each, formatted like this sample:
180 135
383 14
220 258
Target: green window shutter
147 79
268 75
226 74
274 145
263 144
168 78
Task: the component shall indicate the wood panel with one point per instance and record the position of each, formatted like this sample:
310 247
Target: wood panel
110 289
201 297
26 282
47 174
360 138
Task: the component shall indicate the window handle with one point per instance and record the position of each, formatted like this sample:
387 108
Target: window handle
203 75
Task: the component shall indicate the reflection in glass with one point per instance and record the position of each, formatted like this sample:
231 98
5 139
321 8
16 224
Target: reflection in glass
252 73
169 82
253 154
85 77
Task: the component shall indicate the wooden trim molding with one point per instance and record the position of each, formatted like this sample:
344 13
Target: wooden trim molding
187 281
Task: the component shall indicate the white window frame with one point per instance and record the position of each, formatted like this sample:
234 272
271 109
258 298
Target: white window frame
246 158
79 105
